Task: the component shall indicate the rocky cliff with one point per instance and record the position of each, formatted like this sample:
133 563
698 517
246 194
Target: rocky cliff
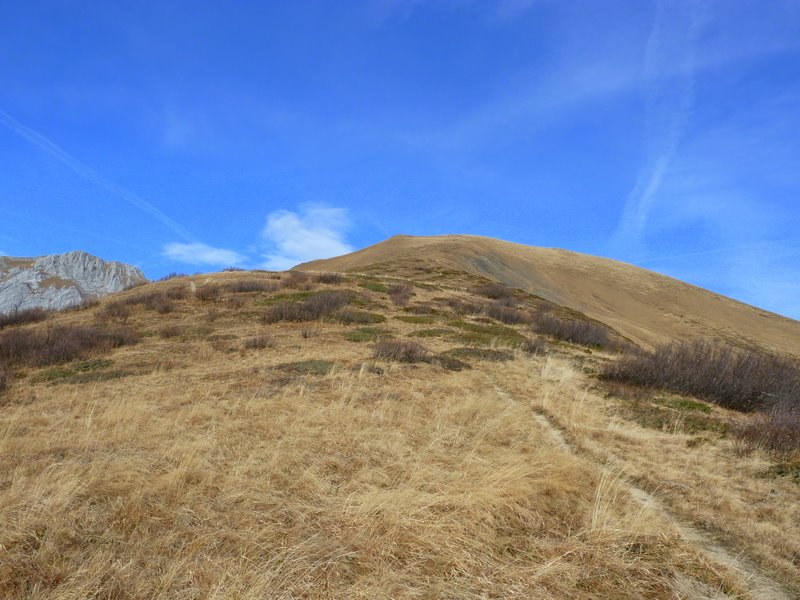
59 281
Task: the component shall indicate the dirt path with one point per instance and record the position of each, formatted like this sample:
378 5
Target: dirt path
761 586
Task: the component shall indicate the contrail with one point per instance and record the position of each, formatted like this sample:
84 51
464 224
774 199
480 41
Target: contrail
669 76
85 171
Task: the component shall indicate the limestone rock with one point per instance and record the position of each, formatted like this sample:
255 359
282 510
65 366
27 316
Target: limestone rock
59 281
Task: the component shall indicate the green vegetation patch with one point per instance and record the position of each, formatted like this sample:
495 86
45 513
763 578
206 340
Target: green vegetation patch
374 286
484 335
480 354
367 334
290 297
86 371
438 332
655 414
308 367
683 404
786 469
419 319
359 317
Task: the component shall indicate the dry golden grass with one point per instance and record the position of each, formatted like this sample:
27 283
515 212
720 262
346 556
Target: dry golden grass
204 469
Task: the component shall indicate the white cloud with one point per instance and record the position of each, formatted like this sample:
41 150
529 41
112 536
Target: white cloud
202 254
317 231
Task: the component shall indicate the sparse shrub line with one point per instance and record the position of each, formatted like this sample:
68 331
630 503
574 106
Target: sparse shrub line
575 331
740 379
22 317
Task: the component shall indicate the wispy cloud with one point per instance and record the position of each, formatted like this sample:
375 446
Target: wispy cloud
85 171
197 253
316 231
669 81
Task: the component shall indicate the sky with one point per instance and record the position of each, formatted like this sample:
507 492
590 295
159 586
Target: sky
193 136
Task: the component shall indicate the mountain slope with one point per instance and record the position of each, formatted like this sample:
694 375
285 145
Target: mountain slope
644 306
58 281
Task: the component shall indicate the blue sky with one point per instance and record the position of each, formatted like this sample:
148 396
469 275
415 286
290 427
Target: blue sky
190 136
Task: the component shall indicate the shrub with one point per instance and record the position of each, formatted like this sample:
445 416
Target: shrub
3 379
172 275
171 331
576 331
739 379
259 342
534 346
495 291
118 311
507 314
359 317
400 293
464 307
298 280
401 351
155 299
329 278
252 285
208 293
60 344
21 317
314 308
232 269
777 431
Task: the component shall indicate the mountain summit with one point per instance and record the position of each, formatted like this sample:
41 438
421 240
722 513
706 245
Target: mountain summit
643 306
58 281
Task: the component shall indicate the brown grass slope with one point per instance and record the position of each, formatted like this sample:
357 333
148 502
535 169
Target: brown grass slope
373 441
644 306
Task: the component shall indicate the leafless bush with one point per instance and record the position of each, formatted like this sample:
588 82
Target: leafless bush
3 379
208 293
359 317
316 307
232 269
21 317
401 351
739 379
252 285
307 333
777 431
155 299
465 307
298 280
117 311
329 278
259 342
576 331
510 315
60 344
400 293
495 291
535 346
171 331
172 275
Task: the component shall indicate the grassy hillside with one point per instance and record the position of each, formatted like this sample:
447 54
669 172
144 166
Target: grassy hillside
260 435
643 306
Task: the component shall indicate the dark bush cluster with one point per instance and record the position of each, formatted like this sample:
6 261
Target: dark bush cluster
298 280
172 275
21 317
359 317
3 379
118 311
400 293
401 351
251 285
232 269
777 431
465 307
155 299
509 315
316 307
739 379
259 342
495 291
329 278
60 344
208 293
576 331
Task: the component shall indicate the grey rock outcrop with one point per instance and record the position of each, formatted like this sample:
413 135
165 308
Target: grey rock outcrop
59 281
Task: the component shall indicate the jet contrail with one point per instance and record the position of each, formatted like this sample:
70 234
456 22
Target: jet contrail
669 103
85 171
